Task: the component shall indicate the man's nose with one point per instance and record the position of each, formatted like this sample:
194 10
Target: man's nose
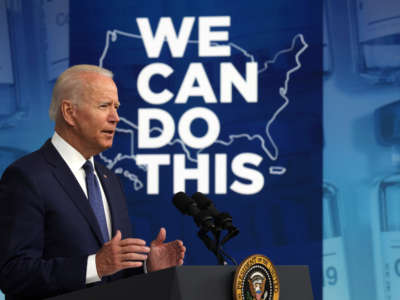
114 117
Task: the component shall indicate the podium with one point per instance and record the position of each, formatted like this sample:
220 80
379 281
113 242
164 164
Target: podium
192 283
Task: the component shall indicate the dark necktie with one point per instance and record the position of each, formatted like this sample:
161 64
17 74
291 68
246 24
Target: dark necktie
94 196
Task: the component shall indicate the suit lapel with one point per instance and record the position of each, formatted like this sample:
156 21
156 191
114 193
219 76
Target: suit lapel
71 186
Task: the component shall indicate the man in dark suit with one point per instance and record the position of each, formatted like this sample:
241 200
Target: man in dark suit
64 225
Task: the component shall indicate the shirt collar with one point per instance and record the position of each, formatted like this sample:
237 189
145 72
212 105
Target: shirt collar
72 157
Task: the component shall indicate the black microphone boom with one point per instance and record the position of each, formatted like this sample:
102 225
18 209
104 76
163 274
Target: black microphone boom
223 220
208 219
188 206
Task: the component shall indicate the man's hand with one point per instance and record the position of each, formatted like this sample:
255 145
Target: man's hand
117 254
165 255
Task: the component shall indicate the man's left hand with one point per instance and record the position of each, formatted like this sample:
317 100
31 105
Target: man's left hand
165 255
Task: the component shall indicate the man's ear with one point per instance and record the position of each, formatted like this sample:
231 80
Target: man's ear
68 112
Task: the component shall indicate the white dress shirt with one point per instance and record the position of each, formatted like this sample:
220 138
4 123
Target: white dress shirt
75 162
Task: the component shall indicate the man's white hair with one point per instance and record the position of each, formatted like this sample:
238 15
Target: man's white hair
69 86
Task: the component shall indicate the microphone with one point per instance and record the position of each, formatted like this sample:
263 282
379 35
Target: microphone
222 220
187 206
205 214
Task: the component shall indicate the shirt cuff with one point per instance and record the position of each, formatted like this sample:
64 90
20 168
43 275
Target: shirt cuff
145 267
91 270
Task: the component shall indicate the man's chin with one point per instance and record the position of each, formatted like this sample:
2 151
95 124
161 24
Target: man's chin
106 145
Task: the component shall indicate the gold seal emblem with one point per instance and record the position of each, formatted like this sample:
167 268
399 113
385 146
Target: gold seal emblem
256 279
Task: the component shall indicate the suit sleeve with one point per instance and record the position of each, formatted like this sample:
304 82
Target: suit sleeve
23 270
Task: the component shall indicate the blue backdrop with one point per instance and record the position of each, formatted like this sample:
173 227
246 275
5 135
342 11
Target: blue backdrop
280 127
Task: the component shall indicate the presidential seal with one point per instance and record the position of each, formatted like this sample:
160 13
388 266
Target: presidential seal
256 279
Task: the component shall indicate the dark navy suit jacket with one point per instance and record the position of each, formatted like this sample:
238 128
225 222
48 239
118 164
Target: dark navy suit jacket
47 227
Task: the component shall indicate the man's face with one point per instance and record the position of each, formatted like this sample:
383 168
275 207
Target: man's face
96 114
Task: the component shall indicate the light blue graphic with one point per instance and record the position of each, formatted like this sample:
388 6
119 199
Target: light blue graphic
335 282
56 18
359 165
385 205
376 40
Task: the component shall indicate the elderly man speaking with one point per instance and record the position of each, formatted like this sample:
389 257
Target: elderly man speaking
64 223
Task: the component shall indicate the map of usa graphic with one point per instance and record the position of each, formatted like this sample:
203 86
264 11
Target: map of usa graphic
124 162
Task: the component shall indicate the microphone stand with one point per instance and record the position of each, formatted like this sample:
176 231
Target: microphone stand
215 246
208 219
212 245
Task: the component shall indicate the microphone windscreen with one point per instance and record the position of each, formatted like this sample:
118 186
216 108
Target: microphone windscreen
182 202
201 200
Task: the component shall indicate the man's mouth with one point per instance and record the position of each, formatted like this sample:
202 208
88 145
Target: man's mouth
109 132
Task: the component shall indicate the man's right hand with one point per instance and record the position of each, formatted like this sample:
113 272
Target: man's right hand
117 255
